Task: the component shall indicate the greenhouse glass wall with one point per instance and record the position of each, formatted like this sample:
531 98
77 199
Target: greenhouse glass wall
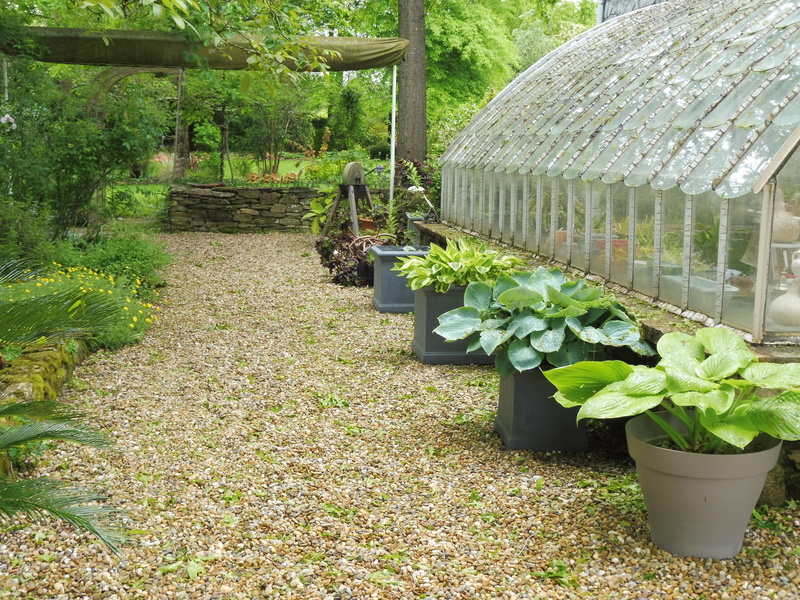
656 151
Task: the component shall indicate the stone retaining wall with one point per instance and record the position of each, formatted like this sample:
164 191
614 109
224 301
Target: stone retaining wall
234 210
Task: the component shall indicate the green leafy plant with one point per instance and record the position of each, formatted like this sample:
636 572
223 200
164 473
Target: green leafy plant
525 319
711 382
66 303
559 572
54 318
24 423
32 313
460 263
318 214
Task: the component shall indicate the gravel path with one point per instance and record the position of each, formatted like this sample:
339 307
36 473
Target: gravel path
277 439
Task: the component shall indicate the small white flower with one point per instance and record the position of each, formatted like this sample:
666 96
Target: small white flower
416 188
7 118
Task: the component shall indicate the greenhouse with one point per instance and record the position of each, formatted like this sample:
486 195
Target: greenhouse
657 151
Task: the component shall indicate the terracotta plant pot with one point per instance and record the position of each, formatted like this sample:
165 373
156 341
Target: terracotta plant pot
365 224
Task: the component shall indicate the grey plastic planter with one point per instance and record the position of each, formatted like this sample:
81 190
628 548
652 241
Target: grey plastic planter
431 348
391 293
697 504
529 419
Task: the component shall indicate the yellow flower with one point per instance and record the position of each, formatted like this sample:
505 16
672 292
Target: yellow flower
124 308
134 319
130 325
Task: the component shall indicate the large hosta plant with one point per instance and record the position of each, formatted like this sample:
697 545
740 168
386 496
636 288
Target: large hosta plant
712 382
527 319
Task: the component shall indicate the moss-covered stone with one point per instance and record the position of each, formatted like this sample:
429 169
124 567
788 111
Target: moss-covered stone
43 370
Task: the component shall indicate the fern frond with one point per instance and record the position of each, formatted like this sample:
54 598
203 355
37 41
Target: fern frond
41 410
15 271
60 316
19 435
42 497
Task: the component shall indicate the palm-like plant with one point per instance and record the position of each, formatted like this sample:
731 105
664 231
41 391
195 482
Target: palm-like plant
53 318
27 422
64 315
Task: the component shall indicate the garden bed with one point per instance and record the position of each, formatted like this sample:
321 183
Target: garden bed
276 438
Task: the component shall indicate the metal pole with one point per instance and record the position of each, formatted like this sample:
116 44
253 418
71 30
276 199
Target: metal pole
392 139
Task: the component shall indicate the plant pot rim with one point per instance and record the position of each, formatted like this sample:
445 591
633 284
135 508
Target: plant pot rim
679 462
386 249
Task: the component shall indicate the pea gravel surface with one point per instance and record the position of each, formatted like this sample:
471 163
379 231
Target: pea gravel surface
276 438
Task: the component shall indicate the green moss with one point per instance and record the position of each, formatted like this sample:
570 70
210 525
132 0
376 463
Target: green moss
46 370
41 391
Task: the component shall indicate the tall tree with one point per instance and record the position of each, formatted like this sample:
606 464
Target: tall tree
412 143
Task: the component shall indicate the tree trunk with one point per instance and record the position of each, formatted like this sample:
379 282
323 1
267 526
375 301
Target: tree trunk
412 122
180 154
181 161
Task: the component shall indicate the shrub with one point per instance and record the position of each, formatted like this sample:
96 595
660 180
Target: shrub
126 255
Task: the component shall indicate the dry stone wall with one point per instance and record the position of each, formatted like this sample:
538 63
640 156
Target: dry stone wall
234 209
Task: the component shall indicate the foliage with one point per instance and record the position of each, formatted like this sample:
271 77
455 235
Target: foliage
318 214
525 319
41 497
269 120
468 48
52 317
711 382
66 147
128 255
346 117
71 302
550 24
136 201
23 231
345 256
33 312
460 263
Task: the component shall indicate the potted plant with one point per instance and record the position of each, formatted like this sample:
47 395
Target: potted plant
744 284
531 322
390 293
708 420
439 279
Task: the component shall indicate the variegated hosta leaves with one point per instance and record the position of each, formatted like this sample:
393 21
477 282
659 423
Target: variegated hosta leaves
460 263
714 374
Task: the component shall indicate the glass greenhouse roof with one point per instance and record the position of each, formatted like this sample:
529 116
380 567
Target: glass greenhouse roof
689 93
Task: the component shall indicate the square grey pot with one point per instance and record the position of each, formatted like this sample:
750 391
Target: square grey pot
528 418
391 293
431 348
